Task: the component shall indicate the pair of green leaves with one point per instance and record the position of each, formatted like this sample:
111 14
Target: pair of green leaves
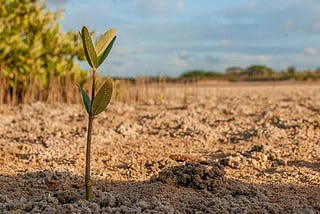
100 101
96 55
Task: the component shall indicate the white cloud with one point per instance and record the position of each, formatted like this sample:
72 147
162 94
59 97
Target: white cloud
288 24
225 43
263 58
254 58
213 60
180 5
251 4
184 55
158 6
244 60
138 51
180 62
316 26
117 62
310 51
119 51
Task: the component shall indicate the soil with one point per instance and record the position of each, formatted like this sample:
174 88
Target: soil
206 149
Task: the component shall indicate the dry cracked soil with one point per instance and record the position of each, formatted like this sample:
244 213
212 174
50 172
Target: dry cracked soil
238 148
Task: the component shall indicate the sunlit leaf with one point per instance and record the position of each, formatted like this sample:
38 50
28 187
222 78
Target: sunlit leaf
86 99
106 52
104 41
103 97
89 49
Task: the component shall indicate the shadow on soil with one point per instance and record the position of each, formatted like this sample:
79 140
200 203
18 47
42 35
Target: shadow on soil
312 166
174 189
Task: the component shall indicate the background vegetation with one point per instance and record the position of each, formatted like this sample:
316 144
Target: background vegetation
36 58
255 73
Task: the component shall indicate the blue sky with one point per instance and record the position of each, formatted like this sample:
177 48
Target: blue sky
169 37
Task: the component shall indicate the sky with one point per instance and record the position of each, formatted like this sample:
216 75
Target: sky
170 37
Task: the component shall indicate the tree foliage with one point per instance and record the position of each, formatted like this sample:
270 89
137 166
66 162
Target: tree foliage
255 73
201 74
33 48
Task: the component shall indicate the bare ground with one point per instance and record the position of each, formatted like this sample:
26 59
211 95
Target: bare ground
207 149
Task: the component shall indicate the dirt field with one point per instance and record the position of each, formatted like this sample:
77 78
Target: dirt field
209 149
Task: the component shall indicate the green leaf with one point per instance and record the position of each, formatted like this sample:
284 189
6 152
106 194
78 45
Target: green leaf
86 99
104 41
89 49
103 97
106 52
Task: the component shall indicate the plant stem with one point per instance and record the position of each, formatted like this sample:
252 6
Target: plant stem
87 175
89 134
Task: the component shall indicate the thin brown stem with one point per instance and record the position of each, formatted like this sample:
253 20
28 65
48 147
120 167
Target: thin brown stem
89 134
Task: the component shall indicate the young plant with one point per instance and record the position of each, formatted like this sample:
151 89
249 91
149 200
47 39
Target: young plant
95 56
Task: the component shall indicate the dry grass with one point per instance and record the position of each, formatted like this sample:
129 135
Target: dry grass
140 90
58 90
63 89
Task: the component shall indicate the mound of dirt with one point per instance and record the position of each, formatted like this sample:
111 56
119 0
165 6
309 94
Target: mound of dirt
194 175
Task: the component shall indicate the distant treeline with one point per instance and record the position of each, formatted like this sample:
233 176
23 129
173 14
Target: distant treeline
235 74
255 73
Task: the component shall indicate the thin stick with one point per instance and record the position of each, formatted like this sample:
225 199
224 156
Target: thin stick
89 134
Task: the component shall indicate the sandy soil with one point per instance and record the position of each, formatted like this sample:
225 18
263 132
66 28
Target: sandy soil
226 149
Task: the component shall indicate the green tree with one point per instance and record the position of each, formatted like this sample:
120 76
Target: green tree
201 74
33 48
259 72
291 70
234 74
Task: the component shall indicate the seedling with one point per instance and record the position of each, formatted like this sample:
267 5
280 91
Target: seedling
95 56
